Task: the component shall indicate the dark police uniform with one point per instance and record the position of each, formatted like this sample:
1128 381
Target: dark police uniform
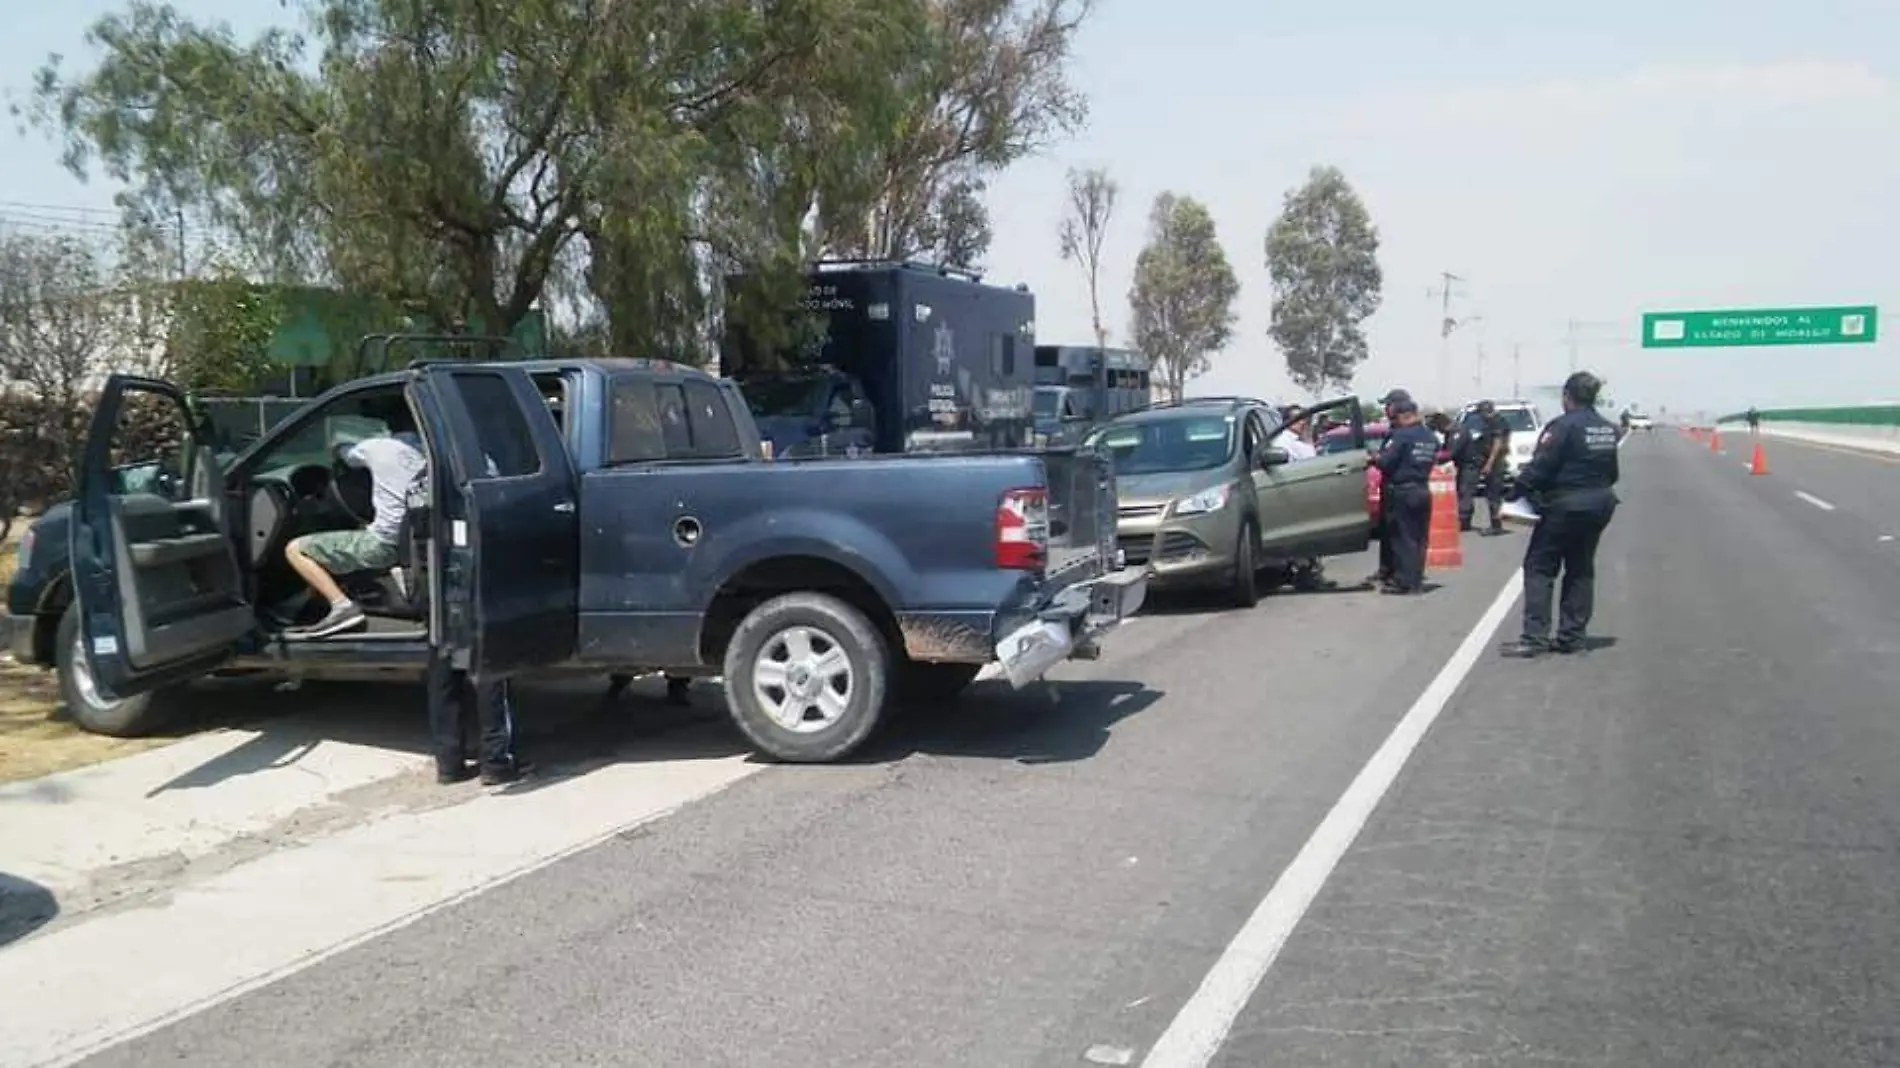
1569 482
455 704
1462 447
1384 531
1406 462
1494 429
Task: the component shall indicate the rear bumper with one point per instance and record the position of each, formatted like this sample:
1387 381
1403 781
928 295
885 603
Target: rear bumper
1071 625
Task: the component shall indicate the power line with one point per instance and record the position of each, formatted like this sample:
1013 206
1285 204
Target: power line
70 209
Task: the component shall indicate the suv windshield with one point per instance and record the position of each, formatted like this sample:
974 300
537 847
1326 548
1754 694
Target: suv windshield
1155 446
1518 419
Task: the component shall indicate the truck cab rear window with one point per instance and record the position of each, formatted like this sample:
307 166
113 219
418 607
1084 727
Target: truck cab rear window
670 421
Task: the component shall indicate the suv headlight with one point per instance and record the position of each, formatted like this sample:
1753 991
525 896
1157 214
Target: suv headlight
1208 500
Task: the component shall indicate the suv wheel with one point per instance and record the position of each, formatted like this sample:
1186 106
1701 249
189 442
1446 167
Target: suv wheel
806 676
1245 588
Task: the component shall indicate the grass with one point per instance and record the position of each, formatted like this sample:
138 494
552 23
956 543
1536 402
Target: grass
35 738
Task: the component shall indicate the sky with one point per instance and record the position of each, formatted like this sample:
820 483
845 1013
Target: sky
1570 163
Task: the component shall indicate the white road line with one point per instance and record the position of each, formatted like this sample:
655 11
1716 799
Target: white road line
1815 501
1198 1030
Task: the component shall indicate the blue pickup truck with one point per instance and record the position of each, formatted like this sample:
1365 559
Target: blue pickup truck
603 516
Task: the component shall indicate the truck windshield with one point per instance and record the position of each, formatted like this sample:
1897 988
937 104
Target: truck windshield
1045 402
789 395
1155 446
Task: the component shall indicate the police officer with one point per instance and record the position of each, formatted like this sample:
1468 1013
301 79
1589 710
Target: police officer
1406 462
1754 420
1569 482
1461 452
454 701
1383 576
1489 447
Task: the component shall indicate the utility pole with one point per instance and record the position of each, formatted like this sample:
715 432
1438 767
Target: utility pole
1517 361
184 265
1575 331
1477 380
1446 290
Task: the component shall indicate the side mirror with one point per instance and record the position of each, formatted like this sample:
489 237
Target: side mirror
1273 456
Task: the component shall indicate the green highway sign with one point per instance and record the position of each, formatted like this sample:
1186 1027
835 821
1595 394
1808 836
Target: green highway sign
1766 326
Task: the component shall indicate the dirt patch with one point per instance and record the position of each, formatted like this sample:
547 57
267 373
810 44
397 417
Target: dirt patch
35 739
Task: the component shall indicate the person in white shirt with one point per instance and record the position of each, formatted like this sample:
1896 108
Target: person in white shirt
1293 440
396 464
1308 575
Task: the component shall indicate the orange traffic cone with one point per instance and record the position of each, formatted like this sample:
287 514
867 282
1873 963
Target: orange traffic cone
1441 541
1715 439
1758 464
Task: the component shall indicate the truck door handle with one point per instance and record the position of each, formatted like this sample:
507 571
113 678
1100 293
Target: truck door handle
564 506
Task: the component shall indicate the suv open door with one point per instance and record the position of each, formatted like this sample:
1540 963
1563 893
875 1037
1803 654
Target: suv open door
1315 507
155 575
508 535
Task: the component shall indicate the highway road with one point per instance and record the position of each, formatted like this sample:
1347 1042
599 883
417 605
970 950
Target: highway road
1229 842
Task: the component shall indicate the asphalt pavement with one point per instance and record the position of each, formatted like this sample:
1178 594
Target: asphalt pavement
1679 848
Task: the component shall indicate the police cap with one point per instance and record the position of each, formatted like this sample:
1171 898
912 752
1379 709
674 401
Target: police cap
1398 396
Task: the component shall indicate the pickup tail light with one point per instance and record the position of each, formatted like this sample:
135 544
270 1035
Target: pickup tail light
1022 529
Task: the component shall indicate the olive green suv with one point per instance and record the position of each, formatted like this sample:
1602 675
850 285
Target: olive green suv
1208 497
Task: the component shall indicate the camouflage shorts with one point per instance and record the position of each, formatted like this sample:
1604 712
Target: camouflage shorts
344 552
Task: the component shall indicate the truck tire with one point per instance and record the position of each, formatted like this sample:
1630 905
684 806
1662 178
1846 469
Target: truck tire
1245 589
926 683
127 717
826 694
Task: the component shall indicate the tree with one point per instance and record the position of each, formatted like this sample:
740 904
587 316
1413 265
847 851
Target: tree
1092 196
221 328
468 160
1184 292
989 86
69 315
1323 258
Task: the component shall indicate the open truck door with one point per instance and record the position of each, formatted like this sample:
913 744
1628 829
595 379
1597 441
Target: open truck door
508 532
155 574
